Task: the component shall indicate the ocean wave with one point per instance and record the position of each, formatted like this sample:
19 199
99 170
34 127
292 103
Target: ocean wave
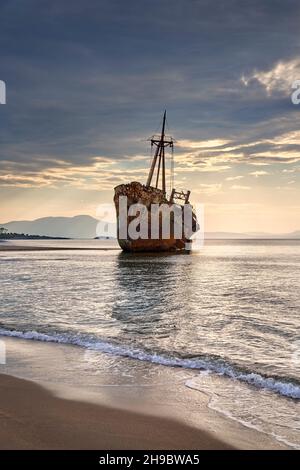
274 384
221 400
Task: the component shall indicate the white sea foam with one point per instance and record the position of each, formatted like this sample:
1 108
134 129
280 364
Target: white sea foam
251 410
284 388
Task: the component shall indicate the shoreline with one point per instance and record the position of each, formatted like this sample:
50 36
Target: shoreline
54 248
46 245
57 390
33 418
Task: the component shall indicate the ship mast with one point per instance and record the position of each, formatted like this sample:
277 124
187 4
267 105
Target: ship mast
161 142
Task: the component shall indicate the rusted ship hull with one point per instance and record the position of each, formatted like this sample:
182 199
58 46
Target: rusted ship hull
151 246
136 193
159 223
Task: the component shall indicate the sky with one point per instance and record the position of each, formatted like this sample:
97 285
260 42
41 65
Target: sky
87 83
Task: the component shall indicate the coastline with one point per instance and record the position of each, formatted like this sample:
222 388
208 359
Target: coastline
52 248
57 245
52 398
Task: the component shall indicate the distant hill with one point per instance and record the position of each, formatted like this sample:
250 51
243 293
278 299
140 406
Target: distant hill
81 226
85 226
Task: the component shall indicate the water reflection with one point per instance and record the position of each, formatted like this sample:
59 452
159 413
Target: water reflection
145 287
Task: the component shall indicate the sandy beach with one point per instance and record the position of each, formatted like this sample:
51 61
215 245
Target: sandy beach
55 397
32 418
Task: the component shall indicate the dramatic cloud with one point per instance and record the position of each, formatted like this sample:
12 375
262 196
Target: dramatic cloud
87 83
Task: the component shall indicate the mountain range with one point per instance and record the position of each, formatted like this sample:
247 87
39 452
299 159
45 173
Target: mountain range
85 226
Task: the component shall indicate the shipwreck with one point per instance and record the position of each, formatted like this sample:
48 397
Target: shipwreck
142 198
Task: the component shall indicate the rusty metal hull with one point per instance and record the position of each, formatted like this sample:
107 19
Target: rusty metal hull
151 246
138 193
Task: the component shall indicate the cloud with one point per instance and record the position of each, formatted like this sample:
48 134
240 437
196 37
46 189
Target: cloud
208 188
279 156
277 79
239 187
124 65
284 147
259 173
290 138
207 144
101 174
234 178
104 172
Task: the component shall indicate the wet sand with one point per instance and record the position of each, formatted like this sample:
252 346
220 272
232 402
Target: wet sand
31 417
65 397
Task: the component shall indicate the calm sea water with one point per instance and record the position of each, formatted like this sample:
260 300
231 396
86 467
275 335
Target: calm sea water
230 312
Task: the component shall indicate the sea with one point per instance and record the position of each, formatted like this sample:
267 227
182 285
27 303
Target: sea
229 313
